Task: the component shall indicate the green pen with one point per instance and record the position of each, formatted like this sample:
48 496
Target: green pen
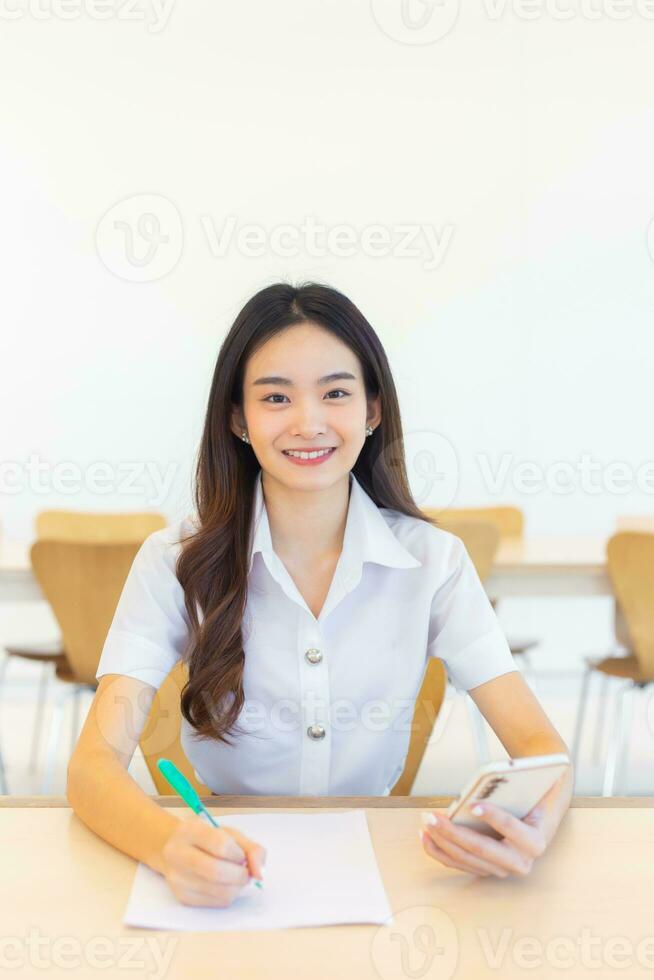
181 785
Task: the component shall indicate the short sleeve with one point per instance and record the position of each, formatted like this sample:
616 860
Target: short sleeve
150 628
464 631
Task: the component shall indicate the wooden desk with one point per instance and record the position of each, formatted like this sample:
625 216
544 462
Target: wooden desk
550 566
545 566
591 889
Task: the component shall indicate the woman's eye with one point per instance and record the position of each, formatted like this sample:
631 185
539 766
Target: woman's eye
332 392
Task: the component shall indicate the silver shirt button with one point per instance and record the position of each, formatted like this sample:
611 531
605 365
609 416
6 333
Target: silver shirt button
316 731
313 656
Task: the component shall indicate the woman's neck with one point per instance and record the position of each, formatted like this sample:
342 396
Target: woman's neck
307 525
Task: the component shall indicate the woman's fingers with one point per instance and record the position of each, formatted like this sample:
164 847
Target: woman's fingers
228 844
255 853
499 854
207 899
455 857
527 838
219 842
215 871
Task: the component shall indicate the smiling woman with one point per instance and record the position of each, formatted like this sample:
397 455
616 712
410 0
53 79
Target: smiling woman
306 597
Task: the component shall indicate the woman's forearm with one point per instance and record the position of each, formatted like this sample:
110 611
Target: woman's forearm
557 800
106 798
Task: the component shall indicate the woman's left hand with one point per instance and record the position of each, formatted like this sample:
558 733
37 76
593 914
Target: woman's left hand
522 840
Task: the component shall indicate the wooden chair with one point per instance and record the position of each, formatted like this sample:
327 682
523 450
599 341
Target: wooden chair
428 705
630 558
481 541
161 735
71 525
77 525
510 523
160 738
623 643
82 582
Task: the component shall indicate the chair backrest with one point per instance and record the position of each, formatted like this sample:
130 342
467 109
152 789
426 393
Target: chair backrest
161 735
82 581
630 556
428 704
509 520
481 540
160 738
74 525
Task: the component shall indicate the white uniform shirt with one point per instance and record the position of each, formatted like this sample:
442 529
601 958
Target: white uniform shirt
328 701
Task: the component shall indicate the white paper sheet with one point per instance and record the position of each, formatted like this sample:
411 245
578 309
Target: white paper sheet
321 869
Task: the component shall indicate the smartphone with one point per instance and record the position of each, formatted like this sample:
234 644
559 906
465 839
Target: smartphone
515 785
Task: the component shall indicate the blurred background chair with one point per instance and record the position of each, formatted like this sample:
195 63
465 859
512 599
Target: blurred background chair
481 540
510 524
71 525
630 558
623 643
77 525
82 581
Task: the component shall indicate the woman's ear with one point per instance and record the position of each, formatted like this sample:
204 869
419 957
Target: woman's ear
237 421
374 411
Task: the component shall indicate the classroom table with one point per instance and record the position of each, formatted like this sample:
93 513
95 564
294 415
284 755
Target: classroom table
532 566
550 566
584 910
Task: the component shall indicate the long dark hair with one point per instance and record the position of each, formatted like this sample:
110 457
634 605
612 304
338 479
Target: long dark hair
213 564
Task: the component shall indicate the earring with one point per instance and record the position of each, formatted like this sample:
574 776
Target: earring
369 430
244 436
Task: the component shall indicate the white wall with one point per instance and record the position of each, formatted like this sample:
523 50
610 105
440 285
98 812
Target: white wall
525 145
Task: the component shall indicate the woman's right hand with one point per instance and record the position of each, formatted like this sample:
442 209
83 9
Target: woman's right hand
207 865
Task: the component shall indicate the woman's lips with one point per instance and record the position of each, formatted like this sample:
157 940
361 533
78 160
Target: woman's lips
310 462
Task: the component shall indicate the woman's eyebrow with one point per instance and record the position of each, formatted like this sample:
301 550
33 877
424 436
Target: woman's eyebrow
274 379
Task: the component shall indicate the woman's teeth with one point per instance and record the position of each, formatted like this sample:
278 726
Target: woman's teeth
290 452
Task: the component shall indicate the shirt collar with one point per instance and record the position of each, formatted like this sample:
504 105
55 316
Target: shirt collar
367 535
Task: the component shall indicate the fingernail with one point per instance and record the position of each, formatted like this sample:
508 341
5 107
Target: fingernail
430 819
420 833
477 810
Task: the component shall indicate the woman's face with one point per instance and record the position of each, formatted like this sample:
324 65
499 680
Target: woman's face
305 409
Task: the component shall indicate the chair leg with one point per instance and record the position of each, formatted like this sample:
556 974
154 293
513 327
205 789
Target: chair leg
38 720
53 740
478 730
625 738
600 719
581 713
622 722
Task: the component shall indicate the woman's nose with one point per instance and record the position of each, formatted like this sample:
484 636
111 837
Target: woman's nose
309 419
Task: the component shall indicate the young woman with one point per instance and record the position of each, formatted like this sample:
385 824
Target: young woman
306 595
